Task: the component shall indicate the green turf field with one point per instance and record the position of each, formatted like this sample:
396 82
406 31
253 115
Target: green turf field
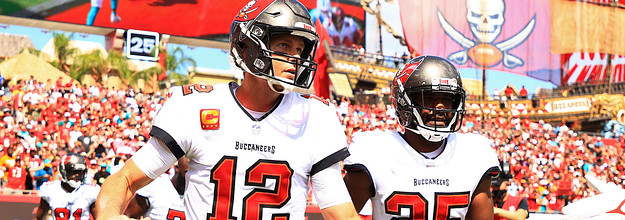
8 7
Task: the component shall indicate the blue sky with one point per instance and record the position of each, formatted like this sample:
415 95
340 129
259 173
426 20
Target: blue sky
499 79
218 59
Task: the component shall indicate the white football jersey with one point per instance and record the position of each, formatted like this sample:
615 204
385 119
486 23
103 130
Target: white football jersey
164 200
73 205
242 167
407 185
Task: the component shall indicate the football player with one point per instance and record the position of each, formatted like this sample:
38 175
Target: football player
95 8
252 148
162 198
68 198
428 171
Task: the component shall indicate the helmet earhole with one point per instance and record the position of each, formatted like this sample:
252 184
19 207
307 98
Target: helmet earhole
258 32
407 118
259 64
242 45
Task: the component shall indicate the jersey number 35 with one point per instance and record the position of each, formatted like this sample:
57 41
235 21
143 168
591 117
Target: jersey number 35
417 205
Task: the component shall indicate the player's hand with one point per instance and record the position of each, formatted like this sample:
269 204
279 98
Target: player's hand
497 211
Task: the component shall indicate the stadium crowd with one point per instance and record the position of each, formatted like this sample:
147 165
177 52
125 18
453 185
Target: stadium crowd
42 121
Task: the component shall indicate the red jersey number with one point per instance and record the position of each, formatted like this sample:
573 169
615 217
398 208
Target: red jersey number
418 205
188 89
64 214
173 214
223 176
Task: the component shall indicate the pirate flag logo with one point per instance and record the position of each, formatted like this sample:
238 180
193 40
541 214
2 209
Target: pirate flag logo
486 18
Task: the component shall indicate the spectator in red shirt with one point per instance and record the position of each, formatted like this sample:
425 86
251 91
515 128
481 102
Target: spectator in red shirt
508 206
59 83
16 181
33 159
523 93
509 92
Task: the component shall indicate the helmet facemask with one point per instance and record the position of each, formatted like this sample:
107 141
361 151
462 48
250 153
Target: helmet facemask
429 98
421 115
75 182
305 67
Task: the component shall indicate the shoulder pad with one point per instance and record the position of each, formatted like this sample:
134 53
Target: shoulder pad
310 96
199 88
178 91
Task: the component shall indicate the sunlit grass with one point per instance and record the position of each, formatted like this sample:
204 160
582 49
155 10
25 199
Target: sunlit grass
8 7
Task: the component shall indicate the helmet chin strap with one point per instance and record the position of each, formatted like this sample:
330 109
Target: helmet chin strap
431 136
286 89
74 184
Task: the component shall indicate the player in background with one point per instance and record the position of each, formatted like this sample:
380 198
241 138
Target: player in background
429 171
163 197
251 148
95 8
69 198
507 204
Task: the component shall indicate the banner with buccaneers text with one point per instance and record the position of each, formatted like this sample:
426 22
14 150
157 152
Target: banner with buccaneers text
511 36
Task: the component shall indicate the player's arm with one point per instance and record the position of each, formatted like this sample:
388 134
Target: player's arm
332 196
520 213
92 211
342 211
118 189
42 210
359 186
482 201
137 206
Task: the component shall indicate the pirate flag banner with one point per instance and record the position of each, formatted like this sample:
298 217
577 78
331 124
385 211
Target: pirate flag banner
511 36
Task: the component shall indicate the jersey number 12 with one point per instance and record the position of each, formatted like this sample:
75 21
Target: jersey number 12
223 176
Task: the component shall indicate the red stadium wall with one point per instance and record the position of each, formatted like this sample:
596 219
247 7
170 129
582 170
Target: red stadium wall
18 206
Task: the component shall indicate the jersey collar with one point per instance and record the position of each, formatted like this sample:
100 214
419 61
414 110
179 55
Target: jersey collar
232 86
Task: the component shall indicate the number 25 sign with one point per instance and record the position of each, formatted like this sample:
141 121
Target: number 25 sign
142 45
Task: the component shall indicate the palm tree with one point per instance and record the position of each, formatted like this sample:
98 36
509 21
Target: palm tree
32 51
176 60
92 64
146 75
118 62
62 49
127 76
178 79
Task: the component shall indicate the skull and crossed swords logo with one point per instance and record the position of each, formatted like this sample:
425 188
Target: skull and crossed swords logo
247 9
486 18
